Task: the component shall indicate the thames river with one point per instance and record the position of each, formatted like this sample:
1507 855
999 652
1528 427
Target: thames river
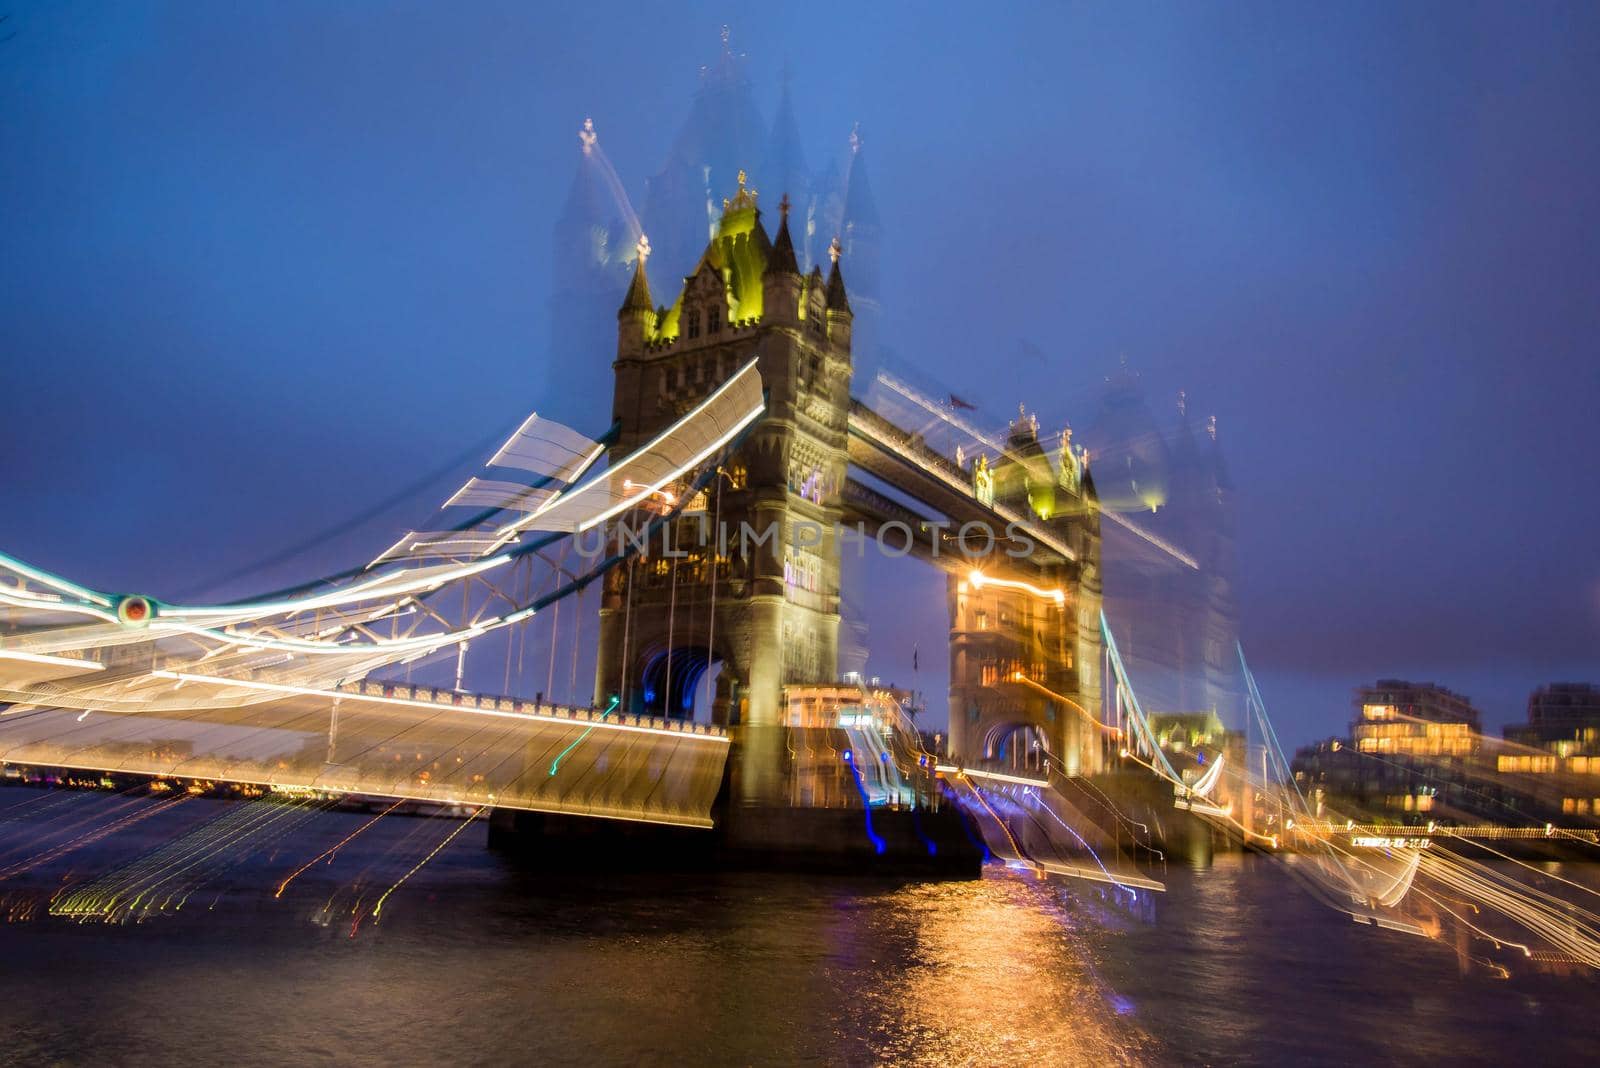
471 961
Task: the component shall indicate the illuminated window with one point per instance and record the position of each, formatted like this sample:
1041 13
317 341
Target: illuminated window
1536 765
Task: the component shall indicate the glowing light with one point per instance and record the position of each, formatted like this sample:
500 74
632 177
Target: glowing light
54 661
879 846
700 457
378 908
974 773
628 484
329 852
979 580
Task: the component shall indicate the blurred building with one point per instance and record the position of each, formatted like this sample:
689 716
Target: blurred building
1563 718
1177 625
1415 719
1413 748
1558 748
724 134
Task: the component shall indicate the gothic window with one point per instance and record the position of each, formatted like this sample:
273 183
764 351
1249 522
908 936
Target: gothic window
713 319
815 319
693 329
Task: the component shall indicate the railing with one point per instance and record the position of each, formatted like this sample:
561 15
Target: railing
520 706
1486 831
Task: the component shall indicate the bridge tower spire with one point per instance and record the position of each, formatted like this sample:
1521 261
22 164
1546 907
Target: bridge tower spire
636 319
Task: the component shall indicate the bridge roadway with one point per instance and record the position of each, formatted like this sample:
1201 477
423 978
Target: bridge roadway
385 740
899 459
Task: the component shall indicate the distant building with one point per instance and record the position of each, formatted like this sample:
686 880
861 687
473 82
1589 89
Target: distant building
1563 718
1559 746
1177 624
1413 748
1415 720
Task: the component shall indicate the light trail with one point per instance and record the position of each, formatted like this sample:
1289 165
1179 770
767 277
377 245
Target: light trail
54 661
979 580
879 846
346 840
555 764
341 695
1151 884
1017 676
976 773
377 909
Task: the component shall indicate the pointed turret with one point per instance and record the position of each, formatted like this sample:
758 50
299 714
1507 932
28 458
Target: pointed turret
1132 459
636 319
782 256
590 222
860 206
638 298
838 301
781 283
841 319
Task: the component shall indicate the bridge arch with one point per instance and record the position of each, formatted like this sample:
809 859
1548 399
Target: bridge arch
668 679
1019 744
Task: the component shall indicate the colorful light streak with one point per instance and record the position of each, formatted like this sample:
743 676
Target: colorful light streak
329 852
555 764
377 909
879 846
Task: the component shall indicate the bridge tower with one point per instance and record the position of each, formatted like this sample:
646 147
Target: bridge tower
1025 658
762 536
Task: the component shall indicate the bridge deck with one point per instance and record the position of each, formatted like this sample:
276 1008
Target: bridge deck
887 452
388 741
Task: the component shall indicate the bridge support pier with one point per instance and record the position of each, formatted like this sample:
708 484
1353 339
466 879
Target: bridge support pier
755 829
915 844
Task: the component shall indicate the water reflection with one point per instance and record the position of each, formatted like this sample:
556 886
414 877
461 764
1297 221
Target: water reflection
478 963
996 972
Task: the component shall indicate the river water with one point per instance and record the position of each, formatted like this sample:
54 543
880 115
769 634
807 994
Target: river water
472 962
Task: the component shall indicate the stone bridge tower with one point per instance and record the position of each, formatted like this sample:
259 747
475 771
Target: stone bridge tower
1025 663
756 583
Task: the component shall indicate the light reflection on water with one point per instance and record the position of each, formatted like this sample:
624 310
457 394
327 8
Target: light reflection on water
475 963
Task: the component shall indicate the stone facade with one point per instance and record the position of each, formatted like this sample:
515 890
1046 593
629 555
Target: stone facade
1020 661
775 616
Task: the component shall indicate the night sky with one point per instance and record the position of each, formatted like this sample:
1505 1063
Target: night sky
266 266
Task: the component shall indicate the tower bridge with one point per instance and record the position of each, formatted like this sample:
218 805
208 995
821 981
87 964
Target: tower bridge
732 412
1025 603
